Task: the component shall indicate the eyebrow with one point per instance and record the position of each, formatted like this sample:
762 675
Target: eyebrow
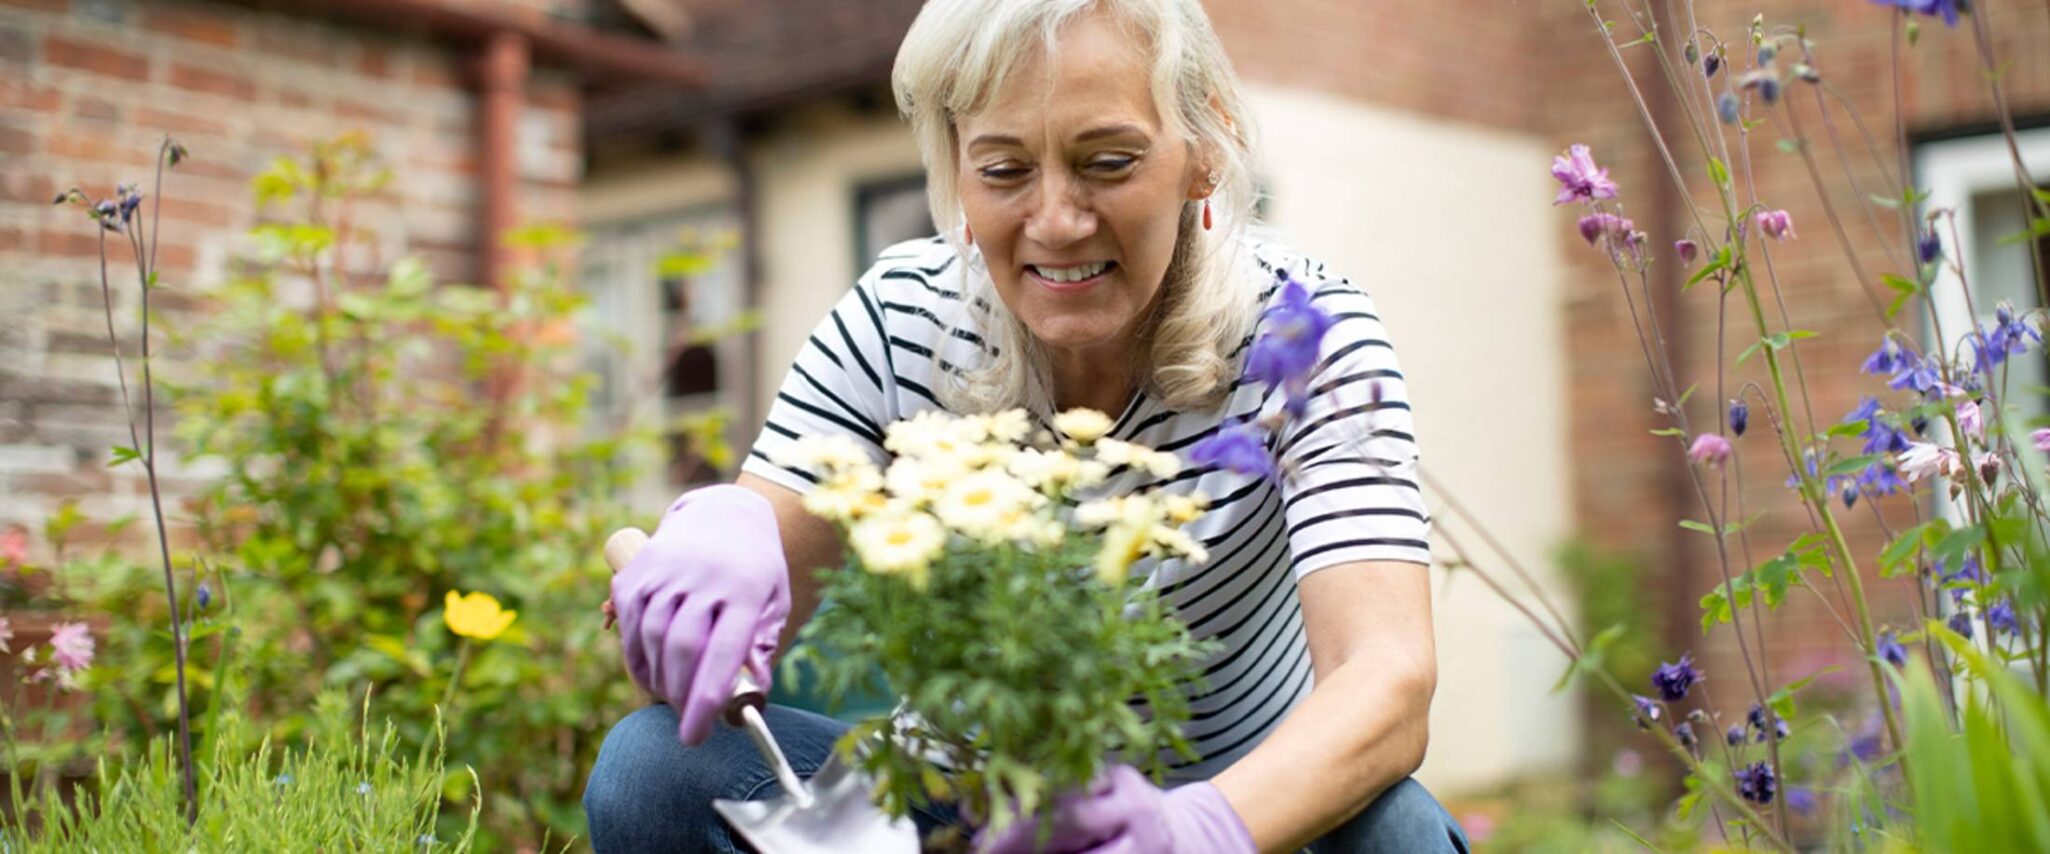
1085 136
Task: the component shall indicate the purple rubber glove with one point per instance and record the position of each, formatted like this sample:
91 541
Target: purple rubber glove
1123 812
708 594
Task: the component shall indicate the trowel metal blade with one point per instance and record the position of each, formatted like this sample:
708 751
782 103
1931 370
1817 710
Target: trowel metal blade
842 819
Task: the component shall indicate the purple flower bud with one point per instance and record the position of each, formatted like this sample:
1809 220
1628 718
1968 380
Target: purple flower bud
1711 64
1757 783
1961 622
1767 53
1890 649
1688 249
1929 248
1685 733
1769 89
1648 710
1735 736
1726 107
205 596
1740 416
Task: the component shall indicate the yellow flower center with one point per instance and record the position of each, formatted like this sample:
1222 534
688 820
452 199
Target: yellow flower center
899 537
978 498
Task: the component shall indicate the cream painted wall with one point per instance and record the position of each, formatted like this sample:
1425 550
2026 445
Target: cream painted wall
1445 226
805 177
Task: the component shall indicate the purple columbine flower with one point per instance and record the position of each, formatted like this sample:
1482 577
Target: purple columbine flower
1890 649
1920 375
1757 783
1961 622
1880 437
1286 353
2009 337
1648 710
1579 178
1801 800
1673 680
1756 719
1929 248
1240 448
1879 478
1735 736
1867 747
1688 250
2001 617
1776 224
1709 449
1887 359
1947 8
1727 108
1740 416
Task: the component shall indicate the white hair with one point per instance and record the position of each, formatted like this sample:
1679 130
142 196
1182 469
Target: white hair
960 52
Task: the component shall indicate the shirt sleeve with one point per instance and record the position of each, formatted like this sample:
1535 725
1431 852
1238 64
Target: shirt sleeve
1349 483
841 383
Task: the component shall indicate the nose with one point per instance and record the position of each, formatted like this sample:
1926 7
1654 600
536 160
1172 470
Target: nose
1062 215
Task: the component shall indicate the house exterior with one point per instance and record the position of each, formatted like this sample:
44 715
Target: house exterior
1405 144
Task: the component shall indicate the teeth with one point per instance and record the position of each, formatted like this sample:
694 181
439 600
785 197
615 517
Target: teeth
1072 274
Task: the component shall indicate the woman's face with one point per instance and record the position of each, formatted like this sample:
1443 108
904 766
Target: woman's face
1073 190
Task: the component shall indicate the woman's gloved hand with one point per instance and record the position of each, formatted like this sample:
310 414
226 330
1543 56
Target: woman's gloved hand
1124 812
709 593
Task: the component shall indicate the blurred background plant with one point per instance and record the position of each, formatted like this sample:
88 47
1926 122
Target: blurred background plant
375 441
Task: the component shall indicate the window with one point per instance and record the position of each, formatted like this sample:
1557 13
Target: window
647 329
1975 176
887 212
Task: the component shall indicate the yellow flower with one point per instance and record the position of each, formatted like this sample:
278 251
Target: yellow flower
1082 425
476 615
985 505
846 494
898 543
1183 509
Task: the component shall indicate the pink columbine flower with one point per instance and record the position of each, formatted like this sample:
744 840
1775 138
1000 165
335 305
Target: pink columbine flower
1688 249
1988 464
1776 225
1709 448
1971 419
2042 439
71 646
1579 178
1596 226
1923 459
13 547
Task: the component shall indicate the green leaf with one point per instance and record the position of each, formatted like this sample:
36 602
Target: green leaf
1898 554
123 454
1717 172
1692 525
1669 431
1591 658
1782 700
2038 227
1789 146
1852 465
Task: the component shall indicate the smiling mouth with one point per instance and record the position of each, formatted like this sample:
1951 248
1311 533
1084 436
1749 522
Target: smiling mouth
1071 278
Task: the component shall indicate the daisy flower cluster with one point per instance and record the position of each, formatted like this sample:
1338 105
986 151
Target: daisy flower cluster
976 481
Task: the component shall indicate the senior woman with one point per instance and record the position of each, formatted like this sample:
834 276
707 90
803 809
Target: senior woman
1091 161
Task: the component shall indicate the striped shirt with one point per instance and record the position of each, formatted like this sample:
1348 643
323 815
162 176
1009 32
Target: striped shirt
1350 495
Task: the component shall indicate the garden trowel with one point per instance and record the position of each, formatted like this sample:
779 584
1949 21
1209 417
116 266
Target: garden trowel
832 812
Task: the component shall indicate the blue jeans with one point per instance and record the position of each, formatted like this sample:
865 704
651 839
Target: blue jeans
648 792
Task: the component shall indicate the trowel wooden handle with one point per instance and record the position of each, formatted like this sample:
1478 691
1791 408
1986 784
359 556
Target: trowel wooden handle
620 549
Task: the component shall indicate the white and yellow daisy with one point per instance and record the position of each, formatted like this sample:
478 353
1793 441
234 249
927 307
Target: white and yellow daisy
1082 425
1183 509
898 542
846 494
983 504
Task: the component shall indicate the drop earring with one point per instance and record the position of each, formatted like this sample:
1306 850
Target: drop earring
967 233
1206 214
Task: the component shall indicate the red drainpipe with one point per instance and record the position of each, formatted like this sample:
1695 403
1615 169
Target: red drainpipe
502 83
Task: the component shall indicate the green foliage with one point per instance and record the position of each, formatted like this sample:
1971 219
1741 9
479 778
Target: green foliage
1984 785
349 789
1769 581
1017 668
383 439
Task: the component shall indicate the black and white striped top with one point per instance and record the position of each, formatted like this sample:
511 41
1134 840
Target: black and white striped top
1352 495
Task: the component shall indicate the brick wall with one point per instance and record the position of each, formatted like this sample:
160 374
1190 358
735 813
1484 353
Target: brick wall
1468 61
1619 498
87 88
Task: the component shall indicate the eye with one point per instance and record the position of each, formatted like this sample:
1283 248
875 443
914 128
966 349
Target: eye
1112 165
1002 173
